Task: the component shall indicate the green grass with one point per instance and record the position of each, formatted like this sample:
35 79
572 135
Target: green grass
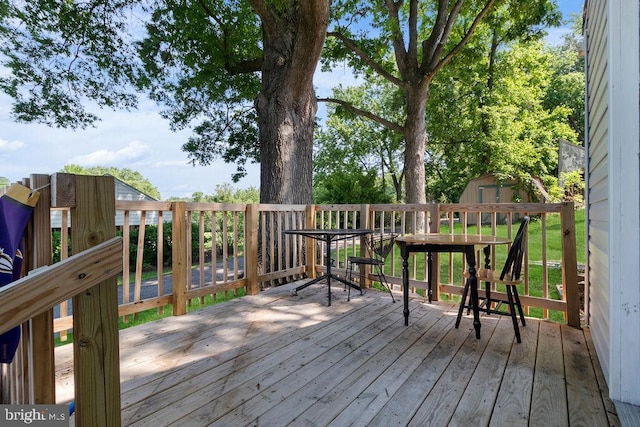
554 255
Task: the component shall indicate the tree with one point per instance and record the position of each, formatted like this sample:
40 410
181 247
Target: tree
369 152
225 193
513 135
219 66
567 87
486 111
424 37
131 177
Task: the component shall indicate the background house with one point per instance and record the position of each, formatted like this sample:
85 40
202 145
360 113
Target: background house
612 45
123 192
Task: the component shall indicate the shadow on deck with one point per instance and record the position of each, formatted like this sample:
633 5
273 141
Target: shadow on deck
277 359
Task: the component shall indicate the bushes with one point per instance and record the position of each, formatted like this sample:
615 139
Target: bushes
150 244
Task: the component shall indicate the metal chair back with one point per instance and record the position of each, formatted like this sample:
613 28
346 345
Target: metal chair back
380 245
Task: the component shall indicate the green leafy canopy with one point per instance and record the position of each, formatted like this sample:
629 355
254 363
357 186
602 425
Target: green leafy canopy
198 60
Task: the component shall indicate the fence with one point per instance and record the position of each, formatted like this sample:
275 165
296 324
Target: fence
220 248
214 249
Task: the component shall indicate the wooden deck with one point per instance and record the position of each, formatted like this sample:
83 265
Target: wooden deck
276 359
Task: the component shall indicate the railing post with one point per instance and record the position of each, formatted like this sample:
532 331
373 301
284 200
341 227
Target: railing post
179 265
310 244
366 223
95 311
44 385
251 248
433 226
570 264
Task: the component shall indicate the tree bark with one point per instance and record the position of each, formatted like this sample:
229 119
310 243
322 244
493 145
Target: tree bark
415 134
287 106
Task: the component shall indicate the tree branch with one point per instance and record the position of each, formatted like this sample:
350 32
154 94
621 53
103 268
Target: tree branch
313 20
412 50
451 20
268 19
367 114
398 40
234 68
465 39
429 46
365 58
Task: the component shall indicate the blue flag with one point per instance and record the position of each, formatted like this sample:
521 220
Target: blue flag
16 208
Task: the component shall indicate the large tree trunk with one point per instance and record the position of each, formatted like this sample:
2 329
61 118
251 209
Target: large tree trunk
286 147
293 40
415 134
293 37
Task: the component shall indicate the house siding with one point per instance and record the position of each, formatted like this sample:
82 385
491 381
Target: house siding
597 180
612 36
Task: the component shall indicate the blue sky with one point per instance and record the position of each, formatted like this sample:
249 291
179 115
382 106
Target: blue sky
139 140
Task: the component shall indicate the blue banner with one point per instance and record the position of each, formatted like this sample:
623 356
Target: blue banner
16 208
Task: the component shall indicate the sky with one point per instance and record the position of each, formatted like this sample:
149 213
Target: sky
142 141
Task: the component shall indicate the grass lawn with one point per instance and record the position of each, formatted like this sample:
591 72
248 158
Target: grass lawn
553 253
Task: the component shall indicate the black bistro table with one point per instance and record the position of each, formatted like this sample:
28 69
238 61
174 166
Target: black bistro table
435 243
328 236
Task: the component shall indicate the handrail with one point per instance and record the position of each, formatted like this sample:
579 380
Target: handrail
48 286
269 259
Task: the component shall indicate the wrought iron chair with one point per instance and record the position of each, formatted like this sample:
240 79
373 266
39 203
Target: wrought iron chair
509 277
378 248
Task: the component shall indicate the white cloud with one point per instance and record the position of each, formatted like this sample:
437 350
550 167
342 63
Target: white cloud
172 164
10 145
135 150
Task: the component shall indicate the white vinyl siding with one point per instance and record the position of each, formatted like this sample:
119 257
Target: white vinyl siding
612 30
598 180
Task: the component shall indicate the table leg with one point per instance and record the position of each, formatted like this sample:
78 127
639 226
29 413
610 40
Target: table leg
405 282
429 272
473 284
487 285
328 261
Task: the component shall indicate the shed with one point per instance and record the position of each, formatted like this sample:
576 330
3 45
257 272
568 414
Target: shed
487 189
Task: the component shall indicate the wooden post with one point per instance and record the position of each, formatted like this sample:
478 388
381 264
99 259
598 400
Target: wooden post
179 265
365 269
251 249
95 311
310 244
570 264
434 227
44 370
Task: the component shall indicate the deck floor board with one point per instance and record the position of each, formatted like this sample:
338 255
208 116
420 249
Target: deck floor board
279 359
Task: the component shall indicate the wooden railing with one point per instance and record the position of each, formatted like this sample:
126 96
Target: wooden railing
220 248
237 247
90 278
541 300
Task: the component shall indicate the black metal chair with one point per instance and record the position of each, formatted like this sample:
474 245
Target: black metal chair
509 277
378 247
